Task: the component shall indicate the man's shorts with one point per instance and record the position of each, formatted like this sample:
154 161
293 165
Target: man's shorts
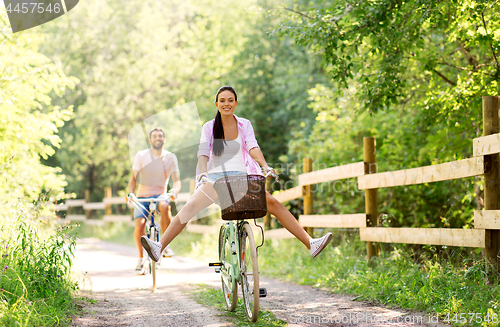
141 213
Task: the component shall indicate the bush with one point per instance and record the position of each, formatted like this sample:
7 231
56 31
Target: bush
35 287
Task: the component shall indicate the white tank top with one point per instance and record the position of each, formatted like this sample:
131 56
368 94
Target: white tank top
231 159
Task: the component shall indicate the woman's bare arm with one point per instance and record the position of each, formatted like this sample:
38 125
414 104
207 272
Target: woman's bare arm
258 156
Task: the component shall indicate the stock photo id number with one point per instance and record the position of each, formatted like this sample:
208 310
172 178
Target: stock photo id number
25 14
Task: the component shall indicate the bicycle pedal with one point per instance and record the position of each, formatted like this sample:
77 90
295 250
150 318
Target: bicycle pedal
262 292
217 270
215 264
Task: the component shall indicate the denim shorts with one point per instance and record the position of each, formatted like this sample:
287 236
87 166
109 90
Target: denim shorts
141 213
212 177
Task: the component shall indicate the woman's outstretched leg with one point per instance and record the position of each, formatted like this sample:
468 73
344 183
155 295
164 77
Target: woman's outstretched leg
287 219
314 245
201 199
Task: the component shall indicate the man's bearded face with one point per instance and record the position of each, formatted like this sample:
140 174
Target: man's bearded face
157 139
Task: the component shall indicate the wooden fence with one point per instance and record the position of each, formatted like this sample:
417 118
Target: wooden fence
485 161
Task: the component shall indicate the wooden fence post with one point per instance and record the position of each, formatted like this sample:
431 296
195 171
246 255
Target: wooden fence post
308 196
107 194
370 194
491 176
87 200
267 217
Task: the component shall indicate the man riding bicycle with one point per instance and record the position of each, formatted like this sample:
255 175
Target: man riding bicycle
153 168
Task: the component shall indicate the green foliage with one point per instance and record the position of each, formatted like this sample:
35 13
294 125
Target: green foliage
429 284
394 49
29 118
35 284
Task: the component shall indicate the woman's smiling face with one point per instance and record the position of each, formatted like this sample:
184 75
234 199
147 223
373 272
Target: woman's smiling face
226 103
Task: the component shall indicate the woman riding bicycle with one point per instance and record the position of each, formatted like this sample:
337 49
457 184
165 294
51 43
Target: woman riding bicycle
228 147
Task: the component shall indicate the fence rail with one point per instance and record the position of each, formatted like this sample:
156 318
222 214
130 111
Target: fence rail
428 174
104 205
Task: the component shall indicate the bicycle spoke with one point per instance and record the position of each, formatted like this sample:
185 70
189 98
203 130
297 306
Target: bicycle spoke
249 273
229 288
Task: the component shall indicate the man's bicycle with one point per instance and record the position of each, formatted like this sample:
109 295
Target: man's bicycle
241 197
152 229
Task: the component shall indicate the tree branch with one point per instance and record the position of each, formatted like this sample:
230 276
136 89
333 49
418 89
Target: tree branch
298 13
348 8
453 66
470 59
491 46
444 78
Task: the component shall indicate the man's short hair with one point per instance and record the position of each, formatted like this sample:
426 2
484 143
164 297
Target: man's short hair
156 129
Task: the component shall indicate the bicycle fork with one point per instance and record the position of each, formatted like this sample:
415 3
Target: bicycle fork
230 268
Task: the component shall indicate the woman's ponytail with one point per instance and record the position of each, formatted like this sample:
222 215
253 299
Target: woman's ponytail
218 132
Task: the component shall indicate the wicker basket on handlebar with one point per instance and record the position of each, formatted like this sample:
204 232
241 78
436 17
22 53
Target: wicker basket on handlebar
242 196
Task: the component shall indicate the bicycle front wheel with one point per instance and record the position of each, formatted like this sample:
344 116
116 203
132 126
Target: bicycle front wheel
229 285
249 273
152 236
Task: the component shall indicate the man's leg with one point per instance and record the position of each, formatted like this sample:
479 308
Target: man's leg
140 224
166 215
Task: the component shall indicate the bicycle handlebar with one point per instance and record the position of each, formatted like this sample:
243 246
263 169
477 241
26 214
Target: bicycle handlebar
163 197
137 202
271 172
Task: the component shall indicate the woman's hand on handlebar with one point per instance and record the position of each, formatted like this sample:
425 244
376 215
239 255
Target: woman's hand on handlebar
269 171
200 180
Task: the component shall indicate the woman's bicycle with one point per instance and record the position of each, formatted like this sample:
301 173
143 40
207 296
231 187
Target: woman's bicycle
241 197
152 229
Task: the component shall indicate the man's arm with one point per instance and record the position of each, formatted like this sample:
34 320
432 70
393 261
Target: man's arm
176 179
133 182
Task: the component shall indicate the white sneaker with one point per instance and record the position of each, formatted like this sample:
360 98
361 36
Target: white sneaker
153 248
318 244
139 269
168 252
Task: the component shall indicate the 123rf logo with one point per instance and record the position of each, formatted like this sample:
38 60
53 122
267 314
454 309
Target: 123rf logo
24 14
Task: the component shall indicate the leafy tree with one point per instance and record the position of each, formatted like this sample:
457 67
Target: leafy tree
137 58
440 56
29 119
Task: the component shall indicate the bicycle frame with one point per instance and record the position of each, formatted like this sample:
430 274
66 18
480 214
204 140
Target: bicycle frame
233 265
151 217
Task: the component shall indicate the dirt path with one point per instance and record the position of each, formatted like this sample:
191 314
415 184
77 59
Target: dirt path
123 299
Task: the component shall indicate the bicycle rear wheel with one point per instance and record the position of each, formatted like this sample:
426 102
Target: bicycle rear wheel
152 236
229 287
249 272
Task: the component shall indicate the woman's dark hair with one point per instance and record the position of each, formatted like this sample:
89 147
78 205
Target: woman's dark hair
218 131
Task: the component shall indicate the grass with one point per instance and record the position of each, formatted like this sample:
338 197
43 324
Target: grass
394 279
35 287
206 295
